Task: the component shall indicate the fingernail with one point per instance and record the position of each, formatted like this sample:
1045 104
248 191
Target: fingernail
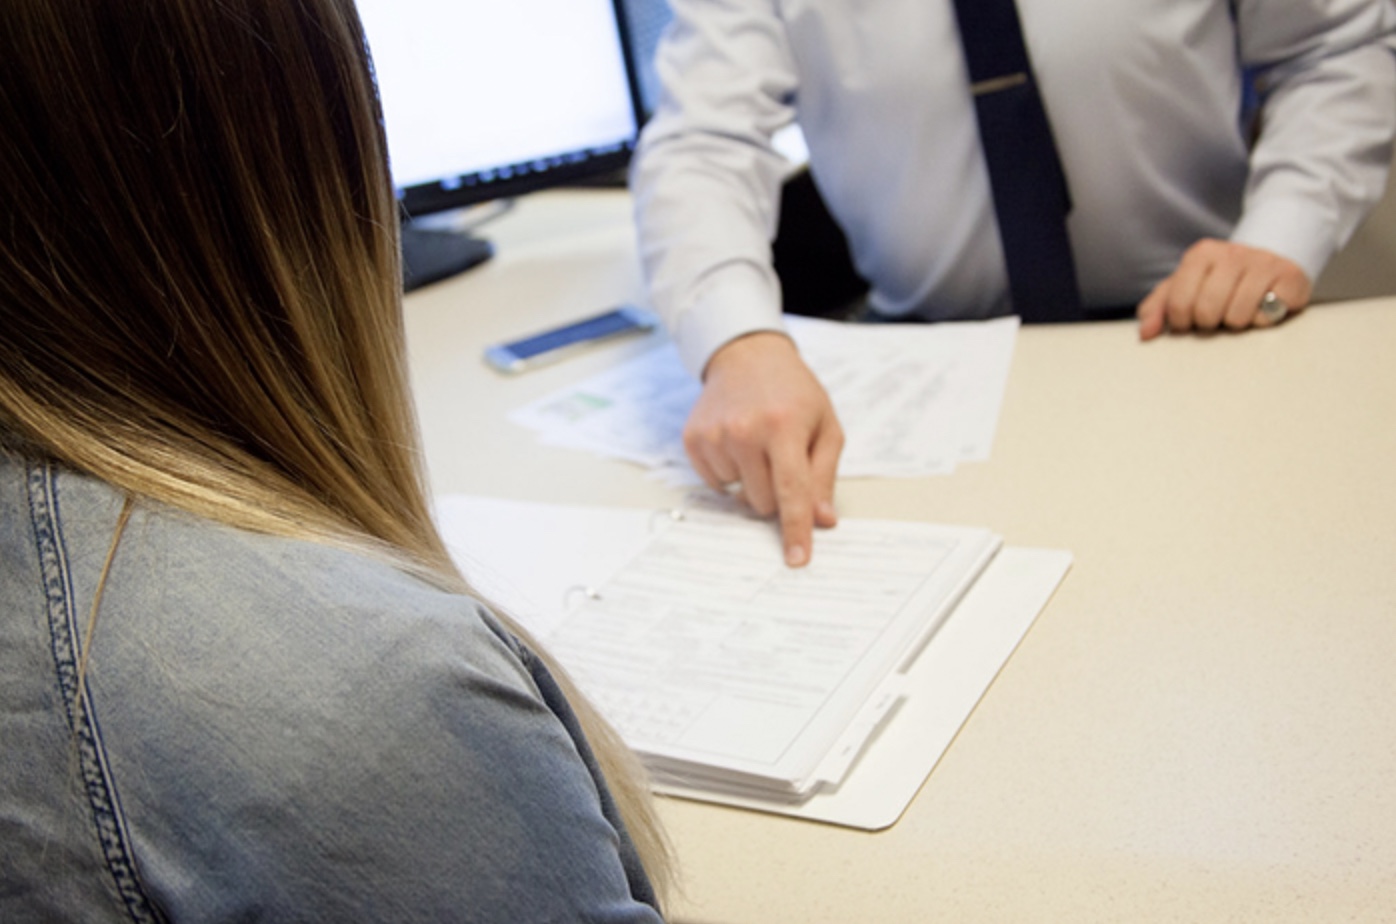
795 556
826 512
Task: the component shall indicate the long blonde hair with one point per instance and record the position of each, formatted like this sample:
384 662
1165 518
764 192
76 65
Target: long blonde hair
199 281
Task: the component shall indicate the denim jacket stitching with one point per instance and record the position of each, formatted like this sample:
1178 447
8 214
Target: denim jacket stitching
107 817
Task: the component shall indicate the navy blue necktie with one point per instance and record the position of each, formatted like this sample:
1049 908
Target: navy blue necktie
1031 200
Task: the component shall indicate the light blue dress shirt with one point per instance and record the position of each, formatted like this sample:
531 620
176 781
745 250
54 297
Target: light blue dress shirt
1145 98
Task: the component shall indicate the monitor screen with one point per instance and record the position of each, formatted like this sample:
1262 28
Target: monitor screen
484 99
646 21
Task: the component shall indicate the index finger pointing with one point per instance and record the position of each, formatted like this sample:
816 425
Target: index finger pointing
794 492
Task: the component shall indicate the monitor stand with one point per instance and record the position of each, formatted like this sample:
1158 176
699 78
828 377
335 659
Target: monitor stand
430 255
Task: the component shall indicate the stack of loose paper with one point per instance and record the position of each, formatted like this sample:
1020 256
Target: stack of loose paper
913 399
728 672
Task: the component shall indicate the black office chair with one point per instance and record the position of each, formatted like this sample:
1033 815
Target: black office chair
811 256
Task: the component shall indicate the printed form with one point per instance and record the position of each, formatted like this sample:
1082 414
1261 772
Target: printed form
914 399
726 669
738 664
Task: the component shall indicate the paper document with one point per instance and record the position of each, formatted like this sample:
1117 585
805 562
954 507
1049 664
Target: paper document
715 660
914 399
724 669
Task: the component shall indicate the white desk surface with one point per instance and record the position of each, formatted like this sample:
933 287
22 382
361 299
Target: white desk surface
1201 726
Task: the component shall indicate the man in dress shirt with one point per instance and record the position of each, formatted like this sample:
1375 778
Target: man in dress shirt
1176 209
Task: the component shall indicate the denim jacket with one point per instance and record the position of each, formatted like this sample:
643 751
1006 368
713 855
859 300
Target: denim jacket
275 730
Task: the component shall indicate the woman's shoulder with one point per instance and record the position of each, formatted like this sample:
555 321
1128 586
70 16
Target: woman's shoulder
301 726
224 593
303 622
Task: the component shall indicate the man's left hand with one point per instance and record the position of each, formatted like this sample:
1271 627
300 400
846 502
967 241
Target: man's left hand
1221 284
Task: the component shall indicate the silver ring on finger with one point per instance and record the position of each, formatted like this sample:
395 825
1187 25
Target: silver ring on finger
1273 308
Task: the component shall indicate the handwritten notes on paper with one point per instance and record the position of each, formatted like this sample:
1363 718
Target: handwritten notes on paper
913 399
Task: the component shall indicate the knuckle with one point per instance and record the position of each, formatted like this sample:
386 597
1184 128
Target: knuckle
744 432
793 491
697 436
1241 321
759 427
777 417
1204 249
763 504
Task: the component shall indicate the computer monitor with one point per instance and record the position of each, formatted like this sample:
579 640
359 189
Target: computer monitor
645 22
488 99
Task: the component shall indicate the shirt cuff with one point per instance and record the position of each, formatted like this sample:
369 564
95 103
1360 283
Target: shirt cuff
732 301
1291 229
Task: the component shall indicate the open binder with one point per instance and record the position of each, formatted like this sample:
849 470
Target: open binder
827 692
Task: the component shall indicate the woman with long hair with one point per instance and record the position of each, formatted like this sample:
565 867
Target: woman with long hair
240 678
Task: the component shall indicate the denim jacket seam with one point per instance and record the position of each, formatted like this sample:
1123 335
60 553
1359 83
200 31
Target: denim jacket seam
108 819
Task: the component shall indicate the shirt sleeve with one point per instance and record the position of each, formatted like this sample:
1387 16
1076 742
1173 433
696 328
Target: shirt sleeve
706 177
1326 75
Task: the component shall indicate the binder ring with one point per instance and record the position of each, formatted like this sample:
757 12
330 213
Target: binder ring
586 590
672 515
